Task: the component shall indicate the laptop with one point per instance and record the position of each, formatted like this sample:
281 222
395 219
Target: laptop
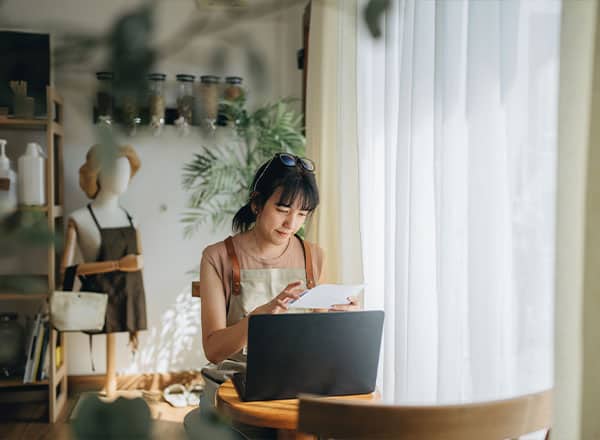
328 354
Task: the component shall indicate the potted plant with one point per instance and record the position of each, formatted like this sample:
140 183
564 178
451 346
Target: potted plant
219 177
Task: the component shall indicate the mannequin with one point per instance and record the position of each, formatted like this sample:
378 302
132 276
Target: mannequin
105 182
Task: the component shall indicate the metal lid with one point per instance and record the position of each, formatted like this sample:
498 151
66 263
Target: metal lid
233 80
157 76
185 77
104 75
210 79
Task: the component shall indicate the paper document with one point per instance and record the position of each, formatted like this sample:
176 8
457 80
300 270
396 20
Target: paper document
326 295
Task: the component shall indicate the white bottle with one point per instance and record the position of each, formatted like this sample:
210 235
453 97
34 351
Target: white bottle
31 176
8 183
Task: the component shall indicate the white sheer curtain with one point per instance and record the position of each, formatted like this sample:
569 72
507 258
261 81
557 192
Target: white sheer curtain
457 106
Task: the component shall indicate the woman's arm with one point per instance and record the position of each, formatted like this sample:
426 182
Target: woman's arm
218 340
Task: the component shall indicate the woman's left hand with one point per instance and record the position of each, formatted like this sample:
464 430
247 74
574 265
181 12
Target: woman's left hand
352 305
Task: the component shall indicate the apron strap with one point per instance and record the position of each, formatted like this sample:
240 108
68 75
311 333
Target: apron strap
128 217
69 279
89 207
235 285
235 264
310 278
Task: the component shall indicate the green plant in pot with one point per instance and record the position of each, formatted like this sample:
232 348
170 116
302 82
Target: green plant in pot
219 177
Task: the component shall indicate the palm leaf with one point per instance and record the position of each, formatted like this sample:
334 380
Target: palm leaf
218 179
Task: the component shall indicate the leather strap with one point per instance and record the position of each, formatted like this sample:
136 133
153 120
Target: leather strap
235 264
235 284
310 278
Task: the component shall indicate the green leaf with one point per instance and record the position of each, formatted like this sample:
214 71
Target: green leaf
218 179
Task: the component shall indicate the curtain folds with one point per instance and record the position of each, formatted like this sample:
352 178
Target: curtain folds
436 154
457 151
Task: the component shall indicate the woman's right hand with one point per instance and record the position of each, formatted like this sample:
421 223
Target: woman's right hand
279 304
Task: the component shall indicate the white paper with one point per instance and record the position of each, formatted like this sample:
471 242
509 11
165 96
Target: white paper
324 296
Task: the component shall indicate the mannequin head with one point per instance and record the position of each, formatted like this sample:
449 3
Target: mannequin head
108 170
114 178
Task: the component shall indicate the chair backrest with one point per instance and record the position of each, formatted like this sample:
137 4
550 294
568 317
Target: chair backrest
196 289
496 420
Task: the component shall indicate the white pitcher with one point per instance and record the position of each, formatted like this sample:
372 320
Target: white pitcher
31 176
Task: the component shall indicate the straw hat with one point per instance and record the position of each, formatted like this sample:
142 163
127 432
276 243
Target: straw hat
94 160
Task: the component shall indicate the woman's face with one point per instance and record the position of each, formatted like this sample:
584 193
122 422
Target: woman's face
277 223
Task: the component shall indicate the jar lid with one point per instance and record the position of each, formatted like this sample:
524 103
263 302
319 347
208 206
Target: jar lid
157 76
233 80
10 316
210 79
185 77
104 75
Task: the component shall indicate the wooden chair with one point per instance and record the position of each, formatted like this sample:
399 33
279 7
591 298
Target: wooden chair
495 420
196 289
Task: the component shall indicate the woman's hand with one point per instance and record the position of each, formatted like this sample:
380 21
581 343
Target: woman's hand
279 304
352 304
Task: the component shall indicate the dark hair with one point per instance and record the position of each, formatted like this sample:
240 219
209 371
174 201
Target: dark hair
295 182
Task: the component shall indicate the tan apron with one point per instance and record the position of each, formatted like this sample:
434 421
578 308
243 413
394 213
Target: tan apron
252 288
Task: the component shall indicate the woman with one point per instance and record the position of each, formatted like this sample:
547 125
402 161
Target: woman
265 265
261 268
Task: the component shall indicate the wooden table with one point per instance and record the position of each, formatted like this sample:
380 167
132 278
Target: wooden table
279 414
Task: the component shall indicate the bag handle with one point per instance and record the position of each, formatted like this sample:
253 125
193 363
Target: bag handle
69 280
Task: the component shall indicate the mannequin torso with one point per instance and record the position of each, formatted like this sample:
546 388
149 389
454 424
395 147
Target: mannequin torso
83 232
88 235
106 208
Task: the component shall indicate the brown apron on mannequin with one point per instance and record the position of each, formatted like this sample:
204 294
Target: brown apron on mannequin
126 309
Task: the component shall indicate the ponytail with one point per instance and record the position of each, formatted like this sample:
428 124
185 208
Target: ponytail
244 218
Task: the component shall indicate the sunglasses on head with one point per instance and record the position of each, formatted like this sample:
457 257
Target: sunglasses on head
288 160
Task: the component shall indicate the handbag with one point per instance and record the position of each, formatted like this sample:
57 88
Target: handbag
77 311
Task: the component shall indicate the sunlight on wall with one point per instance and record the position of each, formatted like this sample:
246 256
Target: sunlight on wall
176 343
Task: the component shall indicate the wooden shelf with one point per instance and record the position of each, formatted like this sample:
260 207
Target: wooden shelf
23 296
25 124
34 286
24 285
18 383
27 208
57 211
60 373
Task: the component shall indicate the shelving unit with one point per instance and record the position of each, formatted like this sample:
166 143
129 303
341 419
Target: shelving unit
56 384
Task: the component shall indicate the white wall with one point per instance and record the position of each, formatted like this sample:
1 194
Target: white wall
155 197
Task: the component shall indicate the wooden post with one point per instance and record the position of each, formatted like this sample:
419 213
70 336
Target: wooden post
110 385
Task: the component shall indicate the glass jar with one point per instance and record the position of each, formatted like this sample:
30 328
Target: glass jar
156 99
233 90
185 98
12 344
104 96
130 111
209 93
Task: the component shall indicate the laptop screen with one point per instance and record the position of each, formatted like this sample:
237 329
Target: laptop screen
318 353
